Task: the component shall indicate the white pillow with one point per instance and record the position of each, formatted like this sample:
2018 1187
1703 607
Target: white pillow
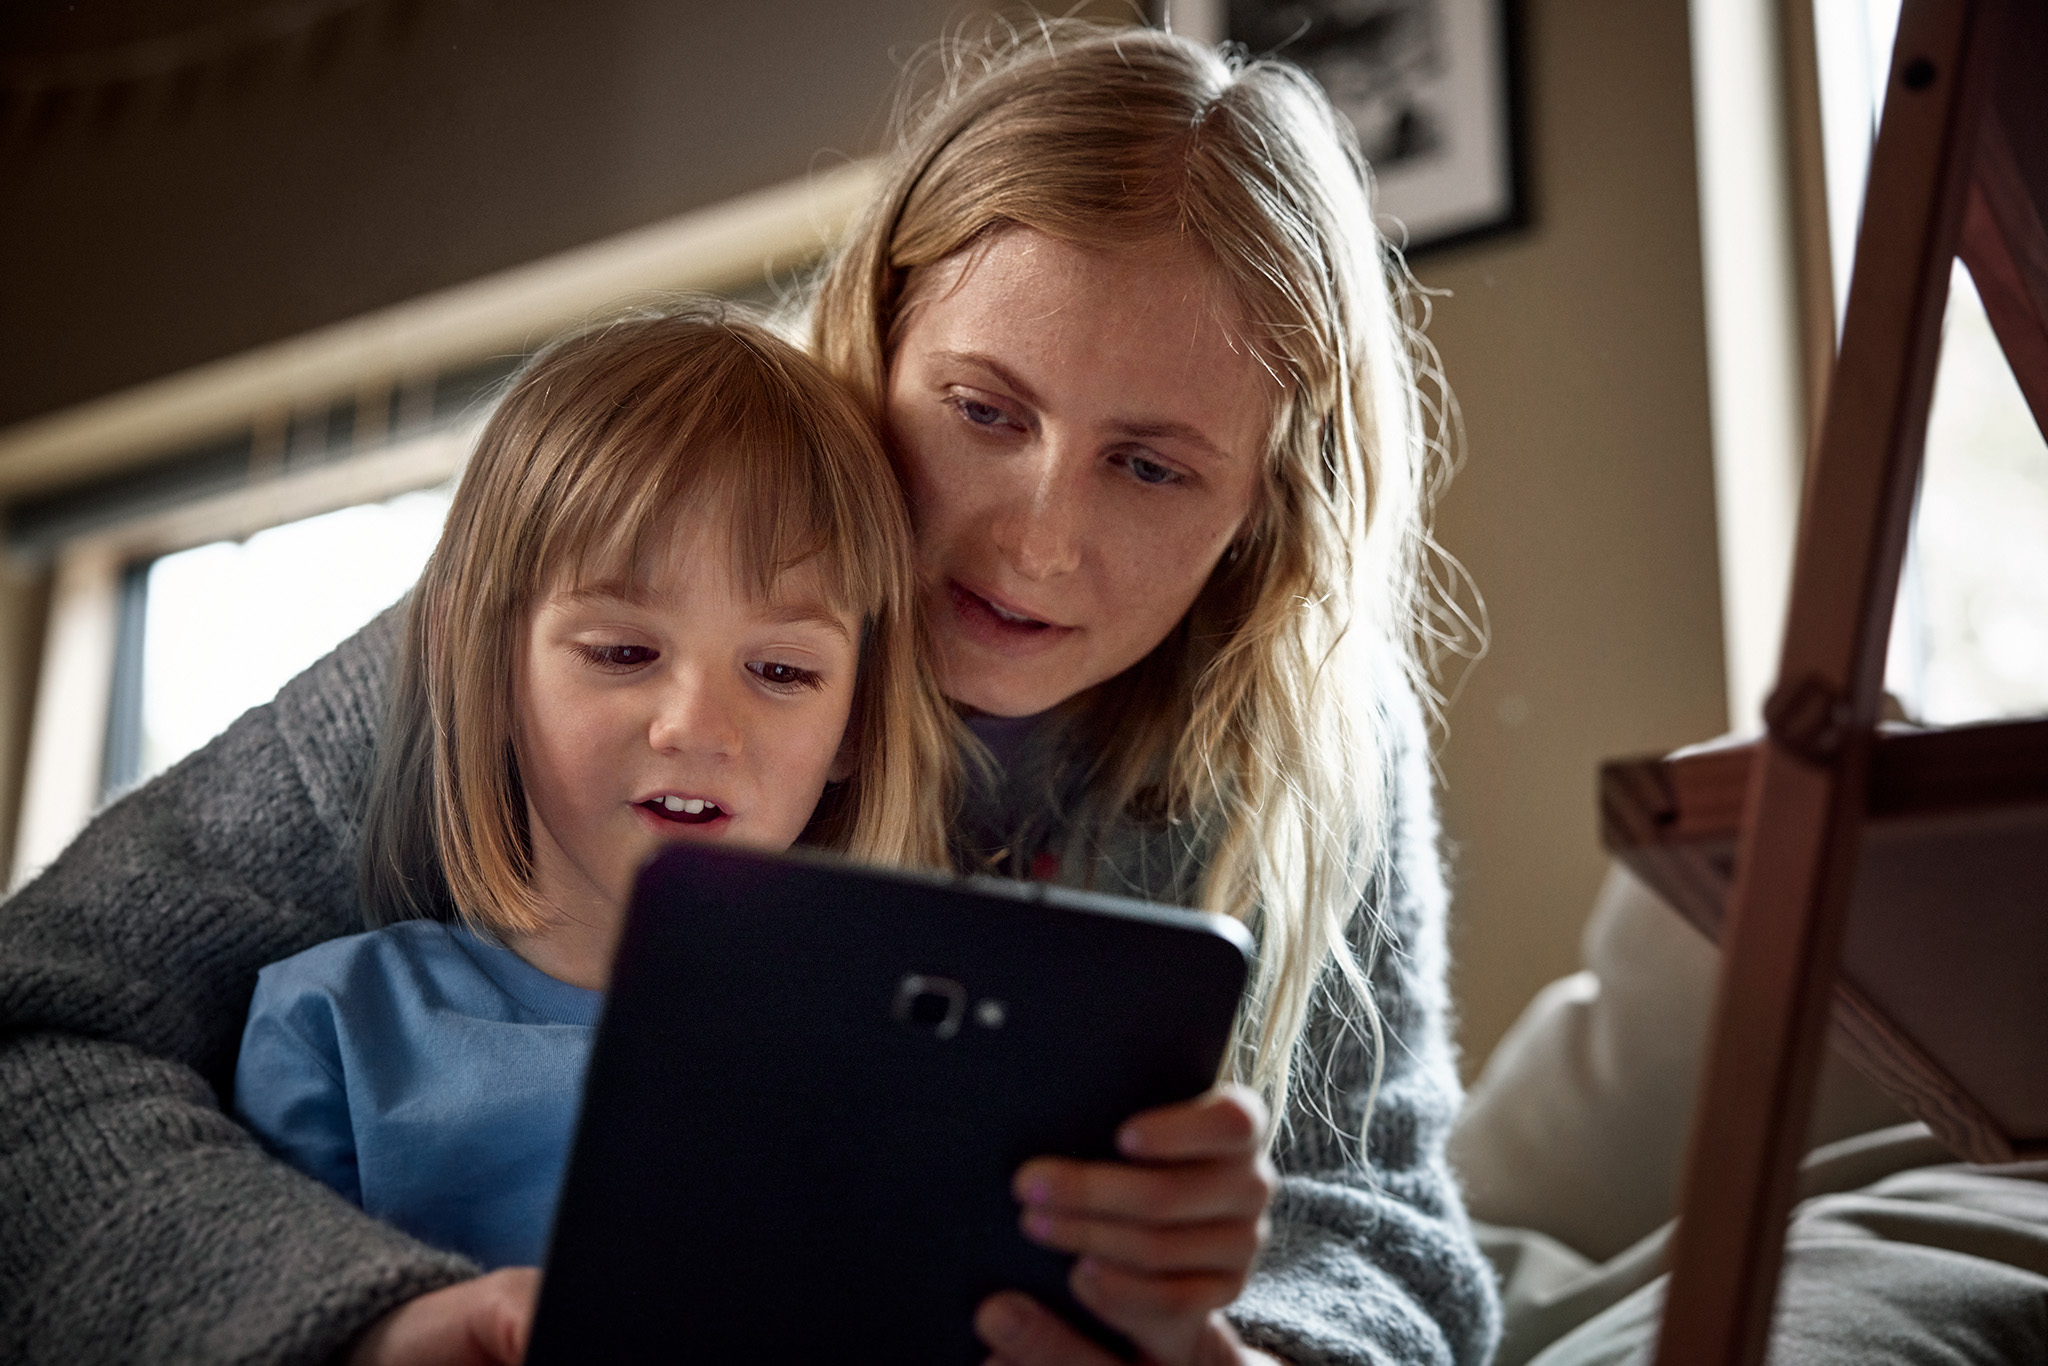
1577 1125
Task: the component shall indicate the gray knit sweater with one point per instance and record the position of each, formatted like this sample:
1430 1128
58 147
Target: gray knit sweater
138 1223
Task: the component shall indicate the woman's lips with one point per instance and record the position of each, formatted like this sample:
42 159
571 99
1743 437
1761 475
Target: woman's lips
998 627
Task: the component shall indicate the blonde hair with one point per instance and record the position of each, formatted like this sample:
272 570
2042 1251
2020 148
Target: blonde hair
1271 743
598 446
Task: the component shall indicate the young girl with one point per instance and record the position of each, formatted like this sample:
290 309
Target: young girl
673 602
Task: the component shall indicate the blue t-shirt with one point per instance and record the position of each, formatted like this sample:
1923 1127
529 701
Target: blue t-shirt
429 1076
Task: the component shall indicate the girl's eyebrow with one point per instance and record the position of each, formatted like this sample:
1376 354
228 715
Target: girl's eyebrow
1135 428
801 612
793 613
630 594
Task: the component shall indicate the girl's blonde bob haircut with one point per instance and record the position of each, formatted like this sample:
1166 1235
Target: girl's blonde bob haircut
601 445
1259 723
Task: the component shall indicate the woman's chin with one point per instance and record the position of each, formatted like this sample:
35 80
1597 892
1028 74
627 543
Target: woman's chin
998 668
1001 686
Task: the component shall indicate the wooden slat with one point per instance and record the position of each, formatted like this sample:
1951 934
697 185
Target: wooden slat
1675 822
1913 772
1890 1057
1797 859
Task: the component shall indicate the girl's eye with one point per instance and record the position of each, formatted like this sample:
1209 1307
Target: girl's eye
1149 471
787 677
619 657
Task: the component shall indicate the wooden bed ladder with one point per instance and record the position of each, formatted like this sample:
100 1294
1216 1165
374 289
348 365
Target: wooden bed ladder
1960 168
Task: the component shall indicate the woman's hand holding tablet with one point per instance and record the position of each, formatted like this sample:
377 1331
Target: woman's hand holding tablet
1166 1239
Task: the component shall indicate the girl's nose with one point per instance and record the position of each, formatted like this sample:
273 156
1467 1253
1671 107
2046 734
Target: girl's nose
695 716
1038 528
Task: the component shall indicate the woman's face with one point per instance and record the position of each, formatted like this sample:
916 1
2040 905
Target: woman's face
1081 434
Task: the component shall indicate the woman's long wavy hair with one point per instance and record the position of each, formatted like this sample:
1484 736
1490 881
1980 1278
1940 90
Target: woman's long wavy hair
600 446
1260 721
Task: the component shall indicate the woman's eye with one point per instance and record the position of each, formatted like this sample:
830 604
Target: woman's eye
981 414
1147 471
619 657
785 676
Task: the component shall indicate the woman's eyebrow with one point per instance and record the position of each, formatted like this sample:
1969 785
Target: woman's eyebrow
1140 429
1172 431
1003 373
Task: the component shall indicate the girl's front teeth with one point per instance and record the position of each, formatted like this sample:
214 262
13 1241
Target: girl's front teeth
694 806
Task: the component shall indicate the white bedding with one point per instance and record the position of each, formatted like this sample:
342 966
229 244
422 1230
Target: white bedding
1570 1145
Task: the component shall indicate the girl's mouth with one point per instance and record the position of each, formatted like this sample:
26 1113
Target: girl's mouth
684 810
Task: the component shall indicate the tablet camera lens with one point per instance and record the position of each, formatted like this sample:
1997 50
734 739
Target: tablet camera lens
933 1003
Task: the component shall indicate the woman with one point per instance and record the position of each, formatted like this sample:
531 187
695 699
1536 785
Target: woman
1154 405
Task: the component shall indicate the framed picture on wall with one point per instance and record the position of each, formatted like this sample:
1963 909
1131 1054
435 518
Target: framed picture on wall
1429 85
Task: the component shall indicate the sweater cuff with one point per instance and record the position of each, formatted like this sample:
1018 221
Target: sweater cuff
1317 1298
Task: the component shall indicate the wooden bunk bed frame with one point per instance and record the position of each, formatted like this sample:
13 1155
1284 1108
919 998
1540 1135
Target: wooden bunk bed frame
1898 877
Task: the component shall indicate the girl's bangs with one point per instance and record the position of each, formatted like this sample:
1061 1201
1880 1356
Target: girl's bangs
788 477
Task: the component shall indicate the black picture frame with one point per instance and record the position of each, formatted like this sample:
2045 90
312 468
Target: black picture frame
1432 88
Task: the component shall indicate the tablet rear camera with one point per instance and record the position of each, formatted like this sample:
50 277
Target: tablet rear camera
935 1004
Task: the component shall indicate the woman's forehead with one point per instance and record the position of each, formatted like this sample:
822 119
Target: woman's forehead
1152 333
1149 281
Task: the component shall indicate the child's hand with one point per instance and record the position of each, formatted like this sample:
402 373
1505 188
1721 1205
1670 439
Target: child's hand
1165 1240
480 1322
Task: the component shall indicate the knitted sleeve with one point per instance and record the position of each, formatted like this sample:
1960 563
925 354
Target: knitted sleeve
137 1221
1371 1258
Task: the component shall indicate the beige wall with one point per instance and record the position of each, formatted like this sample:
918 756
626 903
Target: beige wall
298 183
1585 511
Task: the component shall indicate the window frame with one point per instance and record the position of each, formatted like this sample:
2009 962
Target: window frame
61 786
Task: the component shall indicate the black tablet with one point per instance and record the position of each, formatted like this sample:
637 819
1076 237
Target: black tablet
811 1087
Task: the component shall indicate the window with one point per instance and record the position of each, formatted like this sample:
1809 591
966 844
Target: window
166 624
1970 641
1970 633
225 625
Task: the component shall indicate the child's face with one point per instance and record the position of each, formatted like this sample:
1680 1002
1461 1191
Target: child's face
683 709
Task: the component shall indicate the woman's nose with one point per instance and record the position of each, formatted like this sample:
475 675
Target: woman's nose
1038 528
694 715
